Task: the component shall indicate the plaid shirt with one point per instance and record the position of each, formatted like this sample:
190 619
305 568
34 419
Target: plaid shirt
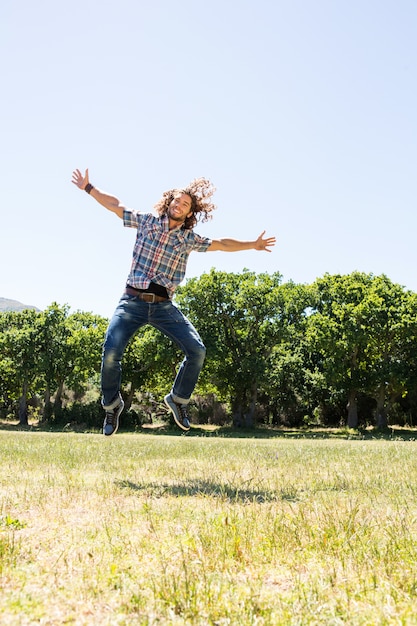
160 255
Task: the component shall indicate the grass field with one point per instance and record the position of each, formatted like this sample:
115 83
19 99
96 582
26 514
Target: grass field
160 529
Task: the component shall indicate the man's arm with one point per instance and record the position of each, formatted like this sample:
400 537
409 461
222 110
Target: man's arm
234 245
109 202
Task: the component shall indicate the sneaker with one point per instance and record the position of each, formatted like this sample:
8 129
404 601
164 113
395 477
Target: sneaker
179 411
111 421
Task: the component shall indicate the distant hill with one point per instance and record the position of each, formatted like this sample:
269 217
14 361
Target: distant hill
14 305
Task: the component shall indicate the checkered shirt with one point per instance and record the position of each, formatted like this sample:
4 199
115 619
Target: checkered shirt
160 255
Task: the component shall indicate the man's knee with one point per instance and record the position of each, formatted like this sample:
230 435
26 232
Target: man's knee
200 353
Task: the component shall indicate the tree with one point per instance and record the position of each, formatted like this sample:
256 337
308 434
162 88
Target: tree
85 343
149 361
391 344
71 348
240 318
289 388
19 340
55 362
358 326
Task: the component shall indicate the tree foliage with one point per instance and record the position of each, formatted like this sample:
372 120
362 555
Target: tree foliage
342 350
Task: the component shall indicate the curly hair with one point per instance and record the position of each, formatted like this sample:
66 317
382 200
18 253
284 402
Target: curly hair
200 191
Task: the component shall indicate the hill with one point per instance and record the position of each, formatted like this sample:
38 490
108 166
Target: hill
13 305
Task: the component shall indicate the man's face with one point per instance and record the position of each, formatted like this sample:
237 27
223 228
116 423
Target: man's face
180 207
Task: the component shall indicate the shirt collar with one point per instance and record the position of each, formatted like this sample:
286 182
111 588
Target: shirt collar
179 231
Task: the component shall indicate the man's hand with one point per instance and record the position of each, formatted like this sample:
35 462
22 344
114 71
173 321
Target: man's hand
264 243
80 180
111 203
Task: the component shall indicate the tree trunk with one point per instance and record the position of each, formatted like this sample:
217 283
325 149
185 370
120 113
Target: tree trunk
250 416
381 414
47 408
23 406
238 418
58 400
128 398
352 407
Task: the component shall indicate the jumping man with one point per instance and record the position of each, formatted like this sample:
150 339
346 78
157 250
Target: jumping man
163 244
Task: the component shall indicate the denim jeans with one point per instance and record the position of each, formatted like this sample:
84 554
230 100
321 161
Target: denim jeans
132 313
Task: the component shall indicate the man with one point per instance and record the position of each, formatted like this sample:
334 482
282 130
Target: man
163 244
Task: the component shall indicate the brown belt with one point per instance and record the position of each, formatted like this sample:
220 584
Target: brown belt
146 296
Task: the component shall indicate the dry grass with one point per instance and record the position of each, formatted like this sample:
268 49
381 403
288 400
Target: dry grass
153 529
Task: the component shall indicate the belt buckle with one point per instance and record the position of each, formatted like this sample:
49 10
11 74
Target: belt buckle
149 297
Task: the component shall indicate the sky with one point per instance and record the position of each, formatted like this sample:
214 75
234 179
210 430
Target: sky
303 114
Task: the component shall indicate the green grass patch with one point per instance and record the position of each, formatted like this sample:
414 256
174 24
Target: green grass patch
159 529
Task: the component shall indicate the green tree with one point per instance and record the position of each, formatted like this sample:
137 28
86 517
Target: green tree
358 326
19 364
85 343
288 390
240 319
149 365
409 359
391 344
71 349
56 361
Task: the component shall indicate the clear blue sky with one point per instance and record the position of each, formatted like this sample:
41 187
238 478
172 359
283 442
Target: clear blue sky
303 113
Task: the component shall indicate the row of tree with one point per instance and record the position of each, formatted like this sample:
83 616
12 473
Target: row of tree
342 350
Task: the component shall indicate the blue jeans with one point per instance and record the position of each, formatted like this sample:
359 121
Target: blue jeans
130 315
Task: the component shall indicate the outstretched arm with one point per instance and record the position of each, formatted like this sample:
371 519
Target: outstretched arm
234 245
109 202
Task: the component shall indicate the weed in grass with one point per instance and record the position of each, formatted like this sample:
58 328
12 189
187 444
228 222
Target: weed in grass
9 544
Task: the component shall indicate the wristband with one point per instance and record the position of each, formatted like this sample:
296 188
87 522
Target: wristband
88 187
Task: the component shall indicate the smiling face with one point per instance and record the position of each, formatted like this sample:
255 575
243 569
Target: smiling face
179 209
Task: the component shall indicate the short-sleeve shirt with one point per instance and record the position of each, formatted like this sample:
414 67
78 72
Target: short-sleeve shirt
160 255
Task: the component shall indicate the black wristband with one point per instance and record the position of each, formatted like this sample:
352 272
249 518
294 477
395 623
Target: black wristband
88 187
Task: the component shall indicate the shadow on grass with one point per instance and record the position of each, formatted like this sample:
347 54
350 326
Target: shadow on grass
205 488
397 433
392 433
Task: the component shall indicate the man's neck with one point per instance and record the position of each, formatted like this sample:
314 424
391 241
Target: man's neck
174 224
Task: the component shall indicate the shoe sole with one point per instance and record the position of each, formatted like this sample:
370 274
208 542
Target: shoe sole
178 423
117 424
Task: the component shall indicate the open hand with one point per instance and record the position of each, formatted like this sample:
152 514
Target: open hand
80 180
264 243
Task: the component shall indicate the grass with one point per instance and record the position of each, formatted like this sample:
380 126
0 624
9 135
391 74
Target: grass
159 529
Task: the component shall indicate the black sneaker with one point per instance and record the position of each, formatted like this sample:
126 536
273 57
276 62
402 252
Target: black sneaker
111 421
179 411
